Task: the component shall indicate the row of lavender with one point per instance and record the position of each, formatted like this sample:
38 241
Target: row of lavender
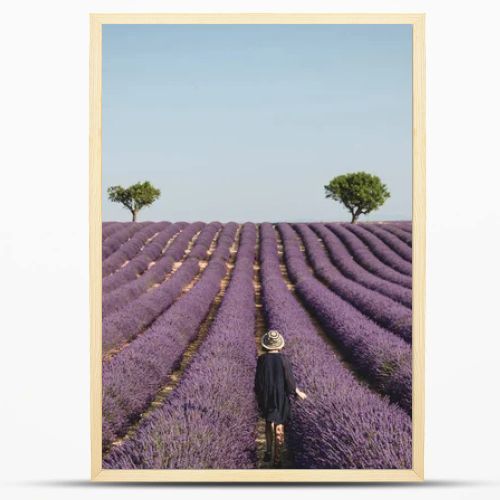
385 311
156 272
109 228
342 424
403 235
360 266
402 246
113 243
182 433
382 357
131 386
141 261
369 254
209 420
127 322
383 247
131 247
133 377
150 245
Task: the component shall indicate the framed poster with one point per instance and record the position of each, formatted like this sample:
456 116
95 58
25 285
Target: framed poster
257 247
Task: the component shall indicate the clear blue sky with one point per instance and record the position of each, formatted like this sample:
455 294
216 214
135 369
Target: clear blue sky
249 122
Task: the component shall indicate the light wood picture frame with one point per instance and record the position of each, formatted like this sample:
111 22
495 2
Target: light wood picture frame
418 252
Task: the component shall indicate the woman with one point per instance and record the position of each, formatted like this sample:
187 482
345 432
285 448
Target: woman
274 382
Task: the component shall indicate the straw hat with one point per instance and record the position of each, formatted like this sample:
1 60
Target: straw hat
272 340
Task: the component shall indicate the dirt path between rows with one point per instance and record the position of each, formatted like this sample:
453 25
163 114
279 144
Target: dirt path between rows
260 329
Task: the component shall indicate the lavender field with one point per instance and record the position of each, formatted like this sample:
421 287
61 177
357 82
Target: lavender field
185 306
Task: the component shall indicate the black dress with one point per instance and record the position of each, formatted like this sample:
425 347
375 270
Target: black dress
274 381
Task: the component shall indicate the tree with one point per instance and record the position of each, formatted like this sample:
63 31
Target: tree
361 193
134 197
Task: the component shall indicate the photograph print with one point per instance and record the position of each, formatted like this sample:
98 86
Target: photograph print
257 247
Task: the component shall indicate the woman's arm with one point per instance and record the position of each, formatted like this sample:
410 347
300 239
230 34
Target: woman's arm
300 394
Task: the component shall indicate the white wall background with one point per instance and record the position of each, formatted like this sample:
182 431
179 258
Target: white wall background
44 248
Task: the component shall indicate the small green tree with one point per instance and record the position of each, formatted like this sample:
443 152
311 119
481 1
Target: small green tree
134 197
359 192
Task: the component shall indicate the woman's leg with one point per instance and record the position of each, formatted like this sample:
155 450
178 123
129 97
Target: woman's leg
279 432
269 436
